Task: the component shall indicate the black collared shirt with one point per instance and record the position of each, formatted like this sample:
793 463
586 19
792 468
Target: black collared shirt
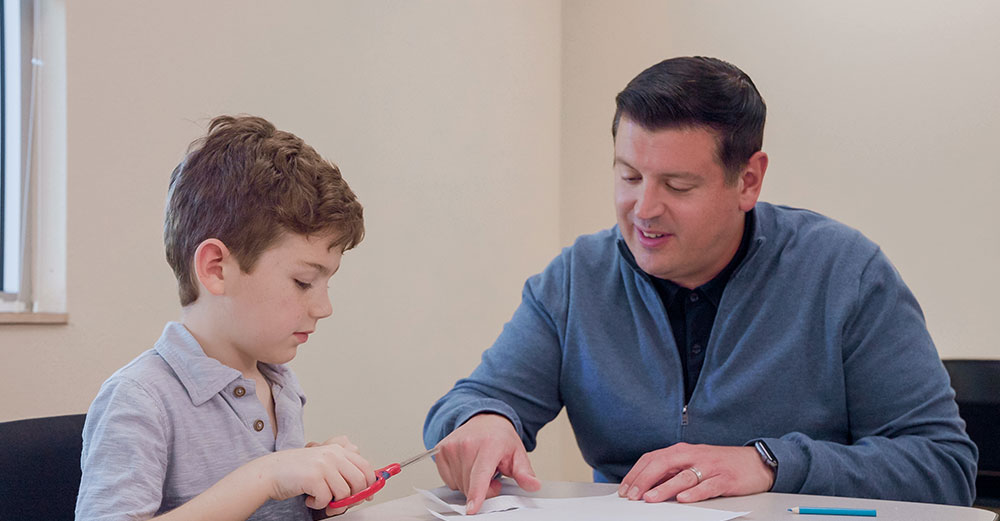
692 311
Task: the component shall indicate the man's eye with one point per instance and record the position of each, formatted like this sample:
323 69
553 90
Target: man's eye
679 189
303 285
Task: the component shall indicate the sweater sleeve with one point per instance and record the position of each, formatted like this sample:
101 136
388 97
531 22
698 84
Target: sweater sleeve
518 376
124 459
908 441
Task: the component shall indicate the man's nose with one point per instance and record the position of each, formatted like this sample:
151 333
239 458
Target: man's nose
649 204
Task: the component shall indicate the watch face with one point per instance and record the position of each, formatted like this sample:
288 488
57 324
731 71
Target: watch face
766 454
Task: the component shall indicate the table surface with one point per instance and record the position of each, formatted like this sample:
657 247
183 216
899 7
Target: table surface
768 506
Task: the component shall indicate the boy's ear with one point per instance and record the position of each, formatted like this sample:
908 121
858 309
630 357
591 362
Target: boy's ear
209 260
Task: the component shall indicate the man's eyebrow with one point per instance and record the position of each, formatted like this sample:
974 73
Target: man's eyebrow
321 269
680 175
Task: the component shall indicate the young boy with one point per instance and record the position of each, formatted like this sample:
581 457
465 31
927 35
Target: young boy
208 423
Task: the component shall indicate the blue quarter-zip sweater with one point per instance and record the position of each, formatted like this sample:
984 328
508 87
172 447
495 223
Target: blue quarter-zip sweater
818 348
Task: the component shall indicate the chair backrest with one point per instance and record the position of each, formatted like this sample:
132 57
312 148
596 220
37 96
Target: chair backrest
40 468
977 391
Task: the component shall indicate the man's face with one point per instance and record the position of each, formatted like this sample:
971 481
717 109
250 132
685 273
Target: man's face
275 306
679 218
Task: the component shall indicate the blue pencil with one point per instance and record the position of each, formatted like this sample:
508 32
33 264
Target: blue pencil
834 511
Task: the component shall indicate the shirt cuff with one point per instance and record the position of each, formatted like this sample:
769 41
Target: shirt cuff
489 406
486 406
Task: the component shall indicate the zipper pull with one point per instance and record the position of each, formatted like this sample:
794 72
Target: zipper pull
684 415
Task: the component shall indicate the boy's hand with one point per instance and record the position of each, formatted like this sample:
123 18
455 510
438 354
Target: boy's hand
338 440
322 472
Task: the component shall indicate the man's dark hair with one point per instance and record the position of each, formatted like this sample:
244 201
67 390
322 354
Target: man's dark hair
698 92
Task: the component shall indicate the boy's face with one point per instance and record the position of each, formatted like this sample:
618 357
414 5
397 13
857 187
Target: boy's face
275 307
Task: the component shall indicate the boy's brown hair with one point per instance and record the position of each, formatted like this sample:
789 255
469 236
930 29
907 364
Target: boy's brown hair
244 184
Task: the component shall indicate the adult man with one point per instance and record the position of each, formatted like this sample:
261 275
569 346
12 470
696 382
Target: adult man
709 344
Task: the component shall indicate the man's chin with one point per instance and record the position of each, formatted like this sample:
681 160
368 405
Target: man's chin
654 266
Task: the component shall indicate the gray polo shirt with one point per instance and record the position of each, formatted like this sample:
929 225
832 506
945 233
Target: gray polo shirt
173 422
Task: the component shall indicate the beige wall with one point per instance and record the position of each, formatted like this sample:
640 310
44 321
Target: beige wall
443 116
477 136
884 115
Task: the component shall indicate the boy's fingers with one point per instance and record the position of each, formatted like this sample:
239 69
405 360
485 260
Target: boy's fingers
316 504
344 442
356 478
340 490
319 494
335 511
363 466
339 487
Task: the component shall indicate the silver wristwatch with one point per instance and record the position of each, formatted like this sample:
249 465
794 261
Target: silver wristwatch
766 454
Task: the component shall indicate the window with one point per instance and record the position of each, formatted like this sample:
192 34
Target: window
10 149
32 161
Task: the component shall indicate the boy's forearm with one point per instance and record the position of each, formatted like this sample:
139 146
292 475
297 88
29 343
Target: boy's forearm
233 498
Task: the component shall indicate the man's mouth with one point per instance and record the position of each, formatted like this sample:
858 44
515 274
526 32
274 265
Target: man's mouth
651 238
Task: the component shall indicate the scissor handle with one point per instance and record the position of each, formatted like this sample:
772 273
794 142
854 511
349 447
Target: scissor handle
381 475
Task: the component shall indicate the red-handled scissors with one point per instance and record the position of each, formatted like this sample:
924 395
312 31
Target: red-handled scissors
381 475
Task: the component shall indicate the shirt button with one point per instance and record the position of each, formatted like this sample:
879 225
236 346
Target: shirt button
258 425
693 297
696 349
239 391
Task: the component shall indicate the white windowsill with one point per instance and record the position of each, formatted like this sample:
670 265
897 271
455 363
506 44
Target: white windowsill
34 318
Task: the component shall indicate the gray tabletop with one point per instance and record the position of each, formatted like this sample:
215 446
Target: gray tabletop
769 506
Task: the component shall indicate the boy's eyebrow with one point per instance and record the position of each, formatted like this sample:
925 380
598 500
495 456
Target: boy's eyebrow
323 270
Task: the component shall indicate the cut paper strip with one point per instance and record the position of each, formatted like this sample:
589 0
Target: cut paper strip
494 504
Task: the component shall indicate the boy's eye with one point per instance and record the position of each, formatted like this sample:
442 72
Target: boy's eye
303 285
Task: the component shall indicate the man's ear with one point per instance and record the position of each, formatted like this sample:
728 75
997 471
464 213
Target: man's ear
751 180
209 259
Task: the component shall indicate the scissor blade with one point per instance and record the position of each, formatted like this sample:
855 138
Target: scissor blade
418 457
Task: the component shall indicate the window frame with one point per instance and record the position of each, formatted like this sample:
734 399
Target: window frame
11 25
40 201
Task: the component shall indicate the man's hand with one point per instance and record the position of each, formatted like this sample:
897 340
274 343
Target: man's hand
725 471
472 454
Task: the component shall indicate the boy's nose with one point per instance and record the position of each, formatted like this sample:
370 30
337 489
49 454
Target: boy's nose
322 307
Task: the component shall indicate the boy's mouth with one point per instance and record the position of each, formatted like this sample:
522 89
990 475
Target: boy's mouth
301 336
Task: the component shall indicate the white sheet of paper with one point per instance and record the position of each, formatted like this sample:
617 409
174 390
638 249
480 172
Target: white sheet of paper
518 508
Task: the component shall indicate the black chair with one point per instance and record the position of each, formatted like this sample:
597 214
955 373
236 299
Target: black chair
977 391
40 468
